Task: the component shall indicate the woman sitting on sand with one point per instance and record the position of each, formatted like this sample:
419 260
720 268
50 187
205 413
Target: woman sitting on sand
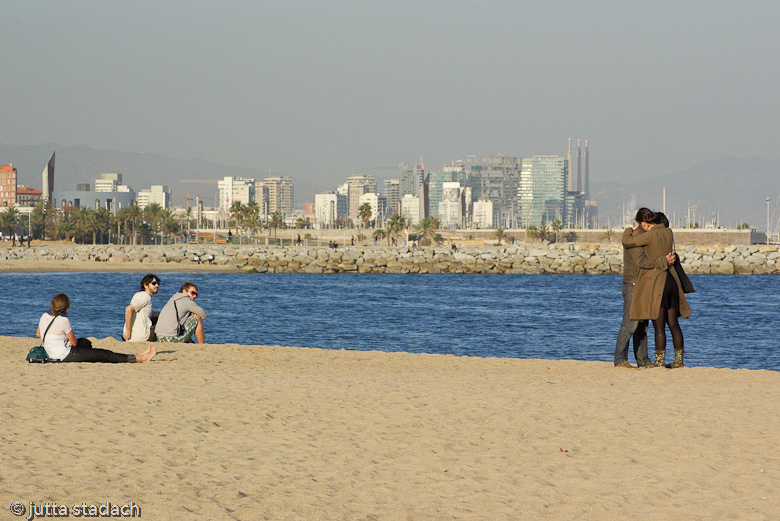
60 342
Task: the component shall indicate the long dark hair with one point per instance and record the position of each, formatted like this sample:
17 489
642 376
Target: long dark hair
660 218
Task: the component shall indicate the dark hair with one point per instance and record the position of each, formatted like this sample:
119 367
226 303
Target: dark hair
660 218
185 286
59 304
148 279
644 215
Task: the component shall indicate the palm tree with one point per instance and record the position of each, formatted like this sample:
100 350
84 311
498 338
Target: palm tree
237 210
91 223
133 215
66 230
395 225
152 213
106 219
168 223
364 212
543 232
531 232
608 234
253 223
188 216
275 222
557 226
9 219
499 234
426 229
379 234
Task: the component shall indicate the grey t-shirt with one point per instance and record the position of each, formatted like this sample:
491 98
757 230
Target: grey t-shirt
168 322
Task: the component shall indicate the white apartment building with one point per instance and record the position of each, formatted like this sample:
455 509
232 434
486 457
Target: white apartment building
108 182
156 194
373 201
451 207
411 209
483 214
328 207
232 189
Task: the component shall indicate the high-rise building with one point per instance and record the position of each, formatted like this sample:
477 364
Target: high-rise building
358 185
499 177
410 178
281 195
8 185
392 195
232 189
48 178
541 193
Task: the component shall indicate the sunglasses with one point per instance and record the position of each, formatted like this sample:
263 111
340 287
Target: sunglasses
194 293
156 282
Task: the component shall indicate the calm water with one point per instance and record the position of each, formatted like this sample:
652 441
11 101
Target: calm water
734 319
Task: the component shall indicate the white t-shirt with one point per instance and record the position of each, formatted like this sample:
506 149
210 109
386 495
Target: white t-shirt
142 321
56 341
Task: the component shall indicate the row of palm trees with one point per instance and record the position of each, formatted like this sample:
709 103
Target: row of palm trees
82 224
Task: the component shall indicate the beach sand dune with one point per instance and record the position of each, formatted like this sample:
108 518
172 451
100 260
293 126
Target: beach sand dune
234 432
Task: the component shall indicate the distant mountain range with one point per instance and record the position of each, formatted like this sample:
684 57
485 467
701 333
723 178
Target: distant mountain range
739 185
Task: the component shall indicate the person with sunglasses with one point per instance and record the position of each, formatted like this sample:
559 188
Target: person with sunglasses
139 319
180 318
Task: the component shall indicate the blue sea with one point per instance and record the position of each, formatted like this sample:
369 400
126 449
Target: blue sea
521 316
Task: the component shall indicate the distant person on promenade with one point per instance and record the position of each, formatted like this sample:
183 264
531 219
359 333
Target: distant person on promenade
633 259
180 318
60 343
139 323
658 294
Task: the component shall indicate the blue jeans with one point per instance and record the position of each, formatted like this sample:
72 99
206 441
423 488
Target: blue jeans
629 328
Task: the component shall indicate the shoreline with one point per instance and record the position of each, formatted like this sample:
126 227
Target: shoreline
265 432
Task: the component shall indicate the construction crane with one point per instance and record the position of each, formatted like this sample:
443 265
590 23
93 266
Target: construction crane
188 198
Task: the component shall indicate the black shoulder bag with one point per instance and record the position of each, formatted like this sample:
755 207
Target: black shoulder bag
685 282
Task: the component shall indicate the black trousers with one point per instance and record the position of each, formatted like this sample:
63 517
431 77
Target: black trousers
84 352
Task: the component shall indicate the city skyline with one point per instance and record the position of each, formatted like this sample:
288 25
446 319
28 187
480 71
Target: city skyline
312 90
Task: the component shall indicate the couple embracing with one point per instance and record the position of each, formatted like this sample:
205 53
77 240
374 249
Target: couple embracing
651 291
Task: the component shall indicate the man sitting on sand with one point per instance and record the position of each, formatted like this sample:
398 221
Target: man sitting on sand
181 310
138 314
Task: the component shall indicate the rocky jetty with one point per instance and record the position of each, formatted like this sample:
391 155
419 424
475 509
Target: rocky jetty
520 258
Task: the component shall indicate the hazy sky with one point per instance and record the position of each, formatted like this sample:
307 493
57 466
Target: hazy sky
317 90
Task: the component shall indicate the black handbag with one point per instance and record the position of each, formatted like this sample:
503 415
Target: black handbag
685 282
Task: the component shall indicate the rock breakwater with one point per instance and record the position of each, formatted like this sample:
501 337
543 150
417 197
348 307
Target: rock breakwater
520 258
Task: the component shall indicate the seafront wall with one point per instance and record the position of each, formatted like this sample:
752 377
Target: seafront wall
521 258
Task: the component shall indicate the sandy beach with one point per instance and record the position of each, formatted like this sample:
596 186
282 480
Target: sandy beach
268 432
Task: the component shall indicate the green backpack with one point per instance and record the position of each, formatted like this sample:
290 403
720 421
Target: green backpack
38 354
